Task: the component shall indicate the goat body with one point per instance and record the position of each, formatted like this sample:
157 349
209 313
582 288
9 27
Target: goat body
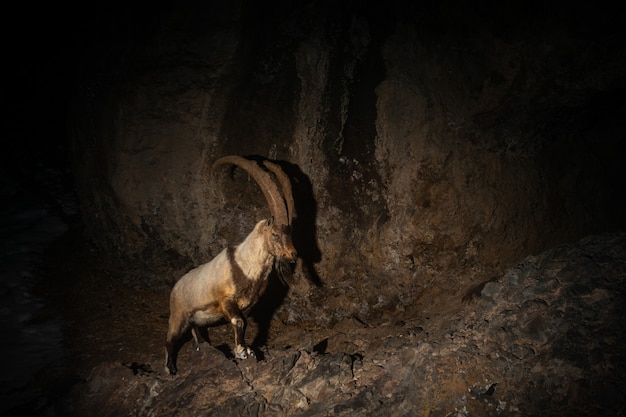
227 287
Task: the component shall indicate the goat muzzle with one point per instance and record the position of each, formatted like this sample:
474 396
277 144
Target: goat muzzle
291 256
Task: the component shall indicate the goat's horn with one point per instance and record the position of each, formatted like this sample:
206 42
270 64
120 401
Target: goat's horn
285 184
265 182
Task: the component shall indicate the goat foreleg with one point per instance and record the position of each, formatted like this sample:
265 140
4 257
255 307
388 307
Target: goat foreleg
236 318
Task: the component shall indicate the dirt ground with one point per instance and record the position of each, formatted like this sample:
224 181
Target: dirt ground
110 321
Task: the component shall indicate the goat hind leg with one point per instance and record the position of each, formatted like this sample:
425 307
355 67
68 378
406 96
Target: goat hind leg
170 358
172 344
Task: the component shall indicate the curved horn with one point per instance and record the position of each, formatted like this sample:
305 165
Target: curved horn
285 184
265 182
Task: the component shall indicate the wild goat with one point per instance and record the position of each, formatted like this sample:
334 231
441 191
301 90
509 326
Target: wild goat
230 284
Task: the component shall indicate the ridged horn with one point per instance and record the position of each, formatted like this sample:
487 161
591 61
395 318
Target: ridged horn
266 184
285 184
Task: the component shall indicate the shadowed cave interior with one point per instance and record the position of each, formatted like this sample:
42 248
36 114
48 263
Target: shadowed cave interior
458 175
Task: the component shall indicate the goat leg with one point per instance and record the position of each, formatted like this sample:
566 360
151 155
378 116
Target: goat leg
197 337
177 327
171 354
236 318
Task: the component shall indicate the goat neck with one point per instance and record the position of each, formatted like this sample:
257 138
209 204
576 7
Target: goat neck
252 255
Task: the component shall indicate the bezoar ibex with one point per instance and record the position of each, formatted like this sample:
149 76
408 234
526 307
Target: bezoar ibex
228 286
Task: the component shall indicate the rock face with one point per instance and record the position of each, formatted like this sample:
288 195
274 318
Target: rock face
542 339
430 148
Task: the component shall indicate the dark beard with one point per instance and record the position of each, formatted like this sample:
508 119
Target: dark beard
284 270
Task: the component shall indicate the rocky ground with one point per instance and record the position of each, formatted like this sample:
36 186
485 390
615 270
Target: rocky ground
544 339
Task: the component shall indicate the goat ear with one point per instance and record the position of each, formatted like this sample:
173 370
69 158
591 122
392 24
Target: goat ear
269 221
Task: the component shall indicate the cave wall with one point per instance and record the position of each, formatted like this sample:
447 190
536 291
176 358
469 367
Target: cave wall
431 145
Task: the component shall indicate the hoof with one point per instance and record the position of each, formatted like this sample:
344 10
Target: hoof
170 368
245 353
